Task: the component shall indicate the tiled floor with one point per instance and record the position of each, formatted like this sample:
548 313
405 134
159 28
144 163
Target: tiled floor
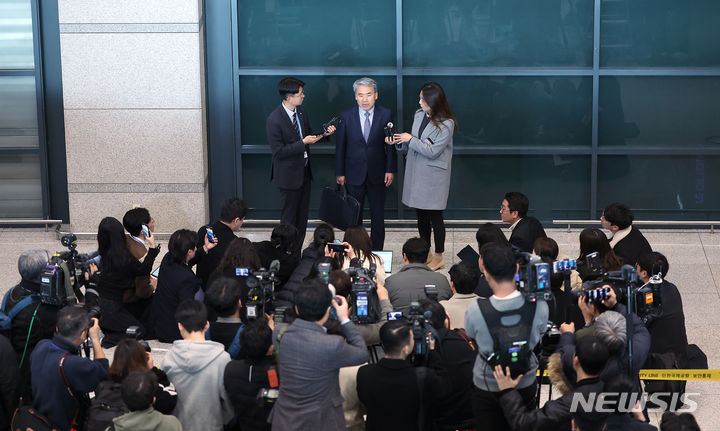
694 257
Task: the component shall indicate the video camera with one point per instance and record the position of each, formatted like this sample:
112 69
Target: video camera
533 276
648 299
361 294
262 290
62 279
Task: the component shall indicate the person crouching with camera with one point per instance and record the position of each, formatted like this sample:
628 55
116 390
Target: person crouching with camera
34 320
61 379
512 323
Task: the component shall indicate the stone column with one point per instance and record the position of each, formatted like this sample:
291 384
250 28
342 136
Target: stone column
133 93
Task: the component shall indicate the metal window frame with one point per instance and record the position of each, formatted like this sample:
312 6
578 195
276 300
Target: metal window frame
37 73
595 72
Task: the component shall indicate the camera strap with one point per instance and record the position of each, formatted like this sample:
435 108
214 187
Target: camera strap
461 332
27 339
420 374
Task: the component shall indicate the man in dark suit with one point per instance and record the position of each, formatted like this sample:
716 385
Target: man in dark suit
309 361
525 230
363 162
390 389
290 136
627 241
232 216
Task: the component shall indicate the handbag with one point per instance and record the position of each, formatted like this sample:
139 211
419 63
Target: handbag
338 208
27 417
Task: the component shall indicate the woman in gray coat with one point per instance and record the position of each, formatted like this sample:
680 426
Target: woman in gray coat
427 165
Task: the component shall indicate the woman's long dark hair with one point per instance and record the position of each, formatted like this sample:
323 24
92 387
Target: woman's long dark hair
240 254
360 241
488 233
129 356
111 245
434 96
592 240
283 238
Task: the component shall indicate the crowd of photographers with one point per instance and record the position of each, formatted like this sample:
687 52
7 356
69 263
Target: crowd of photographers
266 336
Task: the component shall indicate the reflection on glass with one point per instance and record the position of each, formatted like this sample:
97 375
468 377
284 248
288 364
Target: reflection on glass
662 187
555 185
16 39
513 110
471 33
20 187
340 33
659 111
264 200
18 112
659 33
326 97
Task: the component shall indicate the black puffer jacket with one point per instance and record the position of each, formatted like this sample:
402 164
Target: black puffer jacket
309 256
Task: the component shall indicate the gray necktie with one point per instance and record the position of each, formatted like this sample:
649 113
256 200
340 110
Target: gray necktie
366 132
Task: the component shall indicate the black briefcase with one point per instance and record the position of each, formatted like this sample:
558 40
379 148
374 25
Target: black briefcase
338 208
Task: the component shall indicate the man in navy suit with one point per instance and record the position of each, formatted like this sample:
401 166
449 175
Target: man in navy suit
363 163
289 136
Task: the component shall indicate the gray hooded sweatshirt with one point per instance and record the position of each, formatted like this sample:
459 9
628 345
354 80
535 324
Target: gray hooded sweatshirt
196 369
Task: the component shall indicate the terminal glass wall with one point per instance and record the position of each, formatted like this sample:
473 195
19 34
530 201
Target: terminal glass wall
576 103
21 174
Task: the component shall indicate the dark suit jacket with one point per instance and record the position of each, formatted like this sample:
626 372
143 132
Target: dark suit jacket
176 283
389 391
358 160
667 332
309 361
208 262
526 232
288 162
632 247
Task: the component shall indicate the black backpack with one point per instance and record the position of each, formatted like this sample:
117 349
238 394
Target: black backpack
511 344
107 405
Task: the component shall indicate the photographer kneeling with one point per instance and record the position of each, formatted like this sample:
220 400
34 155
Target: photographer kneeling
61 378
34 320
606 319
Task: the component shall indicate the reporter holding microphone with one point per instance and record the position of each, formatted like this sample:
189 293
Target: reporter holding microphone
427 165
